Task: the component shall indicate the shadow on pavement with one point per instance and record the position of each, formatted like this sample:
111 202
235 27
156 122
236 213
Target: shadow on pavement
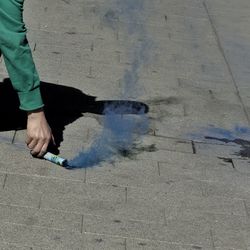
63 105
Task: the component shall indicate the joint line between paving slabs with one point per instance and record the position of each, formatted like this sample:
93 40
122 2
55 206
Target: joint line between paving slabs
158 168
232 162
193 147
212 238
164 217
14 137
40 203
245 206
34 49
4 181
126 194
125 243
82 224
85 176
225 59
229 160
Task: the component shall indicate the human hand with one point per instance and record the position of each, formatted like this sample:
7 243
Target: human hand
39 133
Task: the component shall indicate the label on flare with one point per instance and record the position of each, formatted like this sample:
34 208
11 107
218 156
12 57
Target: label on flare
55 159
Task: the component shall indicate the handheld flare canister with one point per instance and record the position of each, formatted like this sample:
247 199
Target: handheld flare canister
55 159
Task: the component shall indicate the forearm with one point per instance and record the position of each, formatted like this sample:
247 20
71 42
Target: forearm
17 55
22 71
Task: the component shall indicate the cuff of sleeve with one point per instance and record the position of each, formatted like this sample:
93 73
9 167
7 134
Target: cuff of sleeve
31 100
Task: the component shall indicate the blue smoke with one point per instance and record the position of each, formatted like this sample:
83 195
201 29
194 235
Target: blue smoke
131 13
118 135
121 130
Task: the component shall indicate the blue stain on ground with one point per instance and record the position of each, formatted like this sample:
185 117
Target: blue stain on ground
120 132
238 135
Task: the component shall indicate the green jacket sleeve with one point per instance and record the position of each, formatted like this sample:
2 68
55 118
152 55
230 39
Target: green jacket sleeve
17 55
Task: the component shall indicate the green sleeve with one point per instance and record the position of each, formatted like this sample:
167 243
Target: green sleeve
17 55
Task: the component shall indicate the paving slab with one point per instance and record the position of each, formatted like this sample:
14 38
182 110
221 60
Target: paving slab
51 186
242 166
109 209
189 234
225 189
101 241
10 246
168 196
139 244
233 239
127 173
28 216
41 237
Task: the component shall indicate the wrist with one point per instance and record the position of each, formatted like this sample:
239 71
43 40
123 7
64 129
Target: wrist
35 113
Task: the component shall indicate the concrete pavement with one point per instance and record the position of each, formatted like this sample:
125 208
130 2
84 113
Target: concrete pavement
187 185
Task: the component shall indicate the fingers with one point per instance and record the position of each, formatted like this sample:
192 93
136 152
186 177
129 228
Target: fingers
32 143
38 147
39 133
42 151
28 140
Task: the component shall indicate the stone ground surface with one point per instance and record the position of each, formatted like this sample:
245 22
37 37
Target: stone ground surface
184 194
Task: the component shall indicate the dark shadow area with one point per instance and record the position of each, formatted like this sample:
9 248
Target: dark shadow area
63 105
